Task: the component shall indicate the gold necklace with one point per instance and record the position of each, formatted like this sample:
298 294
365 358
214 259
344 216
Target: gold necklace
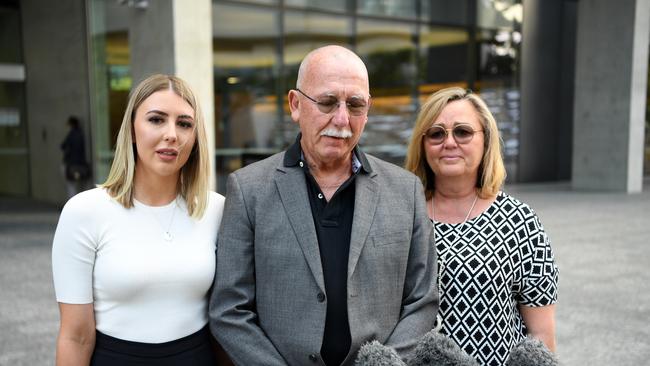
445 259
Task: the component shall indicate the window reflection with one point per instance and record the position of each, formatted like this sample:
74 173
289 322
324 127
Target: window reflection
109 48
499 13
269 2
305 32
445 11
14 154
398 8
389 52
411 48
443 59
499 86
245 81
333 5
10 44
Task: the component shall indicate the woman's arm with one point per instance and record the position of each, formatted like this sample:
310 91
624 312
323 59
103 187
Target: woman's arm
76 340
540 322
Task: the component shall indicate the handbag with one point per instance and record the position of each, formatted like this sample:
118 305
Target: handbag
77 172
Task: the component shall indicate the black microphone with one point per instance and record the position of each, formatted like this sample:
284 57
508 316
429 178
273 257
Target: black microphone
376 354
437 349
531 352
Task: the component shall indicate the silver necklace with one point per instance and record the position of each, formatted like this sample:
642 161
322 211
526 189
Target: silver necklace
444 260
167 235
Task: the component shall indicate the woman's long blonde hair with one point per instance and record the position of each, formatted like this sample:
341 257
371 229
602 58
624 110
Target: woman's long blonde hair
491 171
193 182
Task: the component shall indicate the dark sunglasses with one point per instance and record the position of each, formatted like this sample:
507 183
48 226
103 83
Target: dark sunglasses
463 134
327 105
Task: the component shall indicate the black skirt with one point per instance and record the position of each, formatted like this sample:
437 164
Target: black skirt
195 349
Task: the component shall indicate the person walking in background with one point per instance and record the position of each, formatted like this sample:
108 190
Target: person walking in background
133 260
75 167
322 247
497 276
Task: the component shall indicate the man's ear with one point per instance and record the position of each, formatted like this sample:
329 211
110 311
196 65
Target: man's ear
294 104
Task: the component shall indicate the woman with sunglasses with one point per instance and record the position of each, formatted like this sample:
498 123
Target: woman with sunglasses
496 273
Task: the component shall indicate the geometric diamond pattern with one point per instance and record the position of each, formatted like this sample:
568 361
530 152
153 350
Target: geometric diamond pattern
493 263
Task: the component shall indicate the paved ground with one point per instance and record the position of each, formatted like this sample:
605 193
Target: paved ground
601 242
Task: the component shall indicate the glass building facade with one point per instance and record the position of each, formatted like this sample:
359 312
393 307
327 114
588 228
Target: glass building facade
411 48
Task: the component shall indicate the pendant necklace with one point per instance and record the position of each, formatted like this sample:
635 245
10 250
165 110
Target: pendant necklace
444 260
167 235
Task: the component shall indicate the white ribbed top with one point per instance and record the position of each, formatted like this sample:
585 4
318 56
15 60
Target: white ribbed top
143 287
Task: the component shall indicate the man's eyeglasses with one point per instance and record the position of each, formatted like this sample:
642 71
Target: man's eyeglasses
328 104
463 134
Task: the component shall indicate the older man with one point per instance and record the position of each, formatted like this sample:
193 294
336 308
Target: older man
323 248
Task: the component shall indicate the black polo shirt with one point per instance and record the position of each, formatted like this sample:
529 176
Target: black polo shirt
333 223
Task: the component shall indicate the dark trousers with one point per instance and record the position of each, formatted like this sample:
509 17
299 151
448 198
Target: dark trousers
195 349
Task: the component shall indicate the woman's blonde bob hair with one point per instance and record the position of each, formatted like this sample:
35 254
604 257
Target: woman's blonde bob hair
193 182
491 171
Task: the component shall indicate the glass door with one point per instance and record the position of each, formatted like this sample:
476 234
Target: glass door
14 151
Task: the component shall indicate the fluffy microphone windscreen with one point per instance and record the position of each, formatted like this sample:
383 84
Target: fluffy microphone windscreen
436 349
531 352
376 354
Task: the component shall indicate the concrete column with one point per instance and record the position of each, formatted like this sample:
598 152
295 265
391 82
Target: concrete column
610 94
547 77
194 60
540 65
175 37
151 40
56 63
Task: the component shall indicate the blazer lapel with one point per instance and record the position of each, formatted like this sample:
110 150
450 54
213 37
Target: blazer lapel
365 205
293 192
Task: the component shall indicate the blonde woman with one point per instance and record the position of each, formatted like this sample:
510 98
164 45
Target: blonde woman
496 272
133 260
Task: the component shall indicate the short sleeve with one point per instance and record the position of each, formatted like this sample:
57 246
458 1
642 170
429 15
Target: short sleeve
73 254
540 273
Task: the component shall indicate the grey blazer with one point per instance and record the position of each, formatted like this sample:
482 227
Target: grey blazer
266 309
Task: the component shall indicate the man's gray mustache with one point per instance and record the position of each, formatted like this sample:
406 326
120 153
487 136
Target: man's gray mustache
333 132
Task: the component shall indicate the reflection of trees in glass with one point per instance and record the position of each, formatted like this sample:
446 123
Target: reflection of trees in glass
498 53
499 13
394 70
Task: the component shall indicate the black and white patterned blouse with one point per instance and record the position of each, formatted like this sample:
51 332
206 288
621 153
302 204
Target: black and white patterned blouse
492 263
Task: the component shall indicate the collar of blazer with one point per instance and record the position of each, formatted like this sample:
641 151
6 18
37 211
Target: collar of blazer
292 189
